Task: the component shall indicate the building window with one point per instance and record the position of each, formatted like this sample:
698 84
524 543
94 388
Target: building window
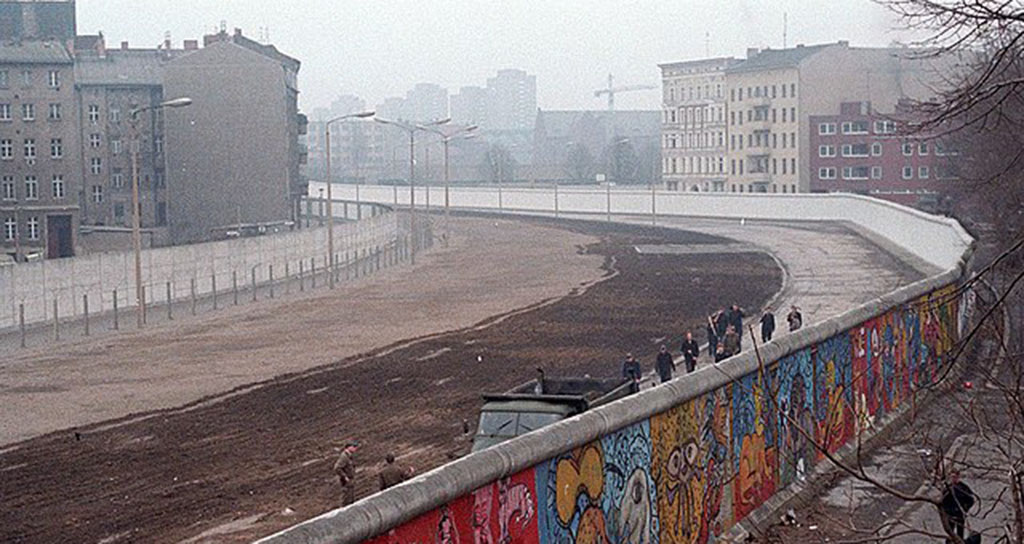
94 113
28 112
908 172
792 166
855 127
55 113
54 79
823 173
826 128
876 172
6 150
57 184
56 148
31 188
876 149
792 114
827 150
783 115
923 148
94 140
115 115
5 112
96 165
783 166
855 150
26 78
4 76
908 149
97 194
30 149
885 127
10 228
9 192
115 146
923 172
33 227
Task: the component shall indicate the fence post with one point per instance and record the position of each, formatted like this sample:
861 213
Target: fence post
270 267
192 290
85 312
56 320
116 325
302 279
21 322
254 284
170 303
213 286
312 271
234 285
556 200
287 279
143 303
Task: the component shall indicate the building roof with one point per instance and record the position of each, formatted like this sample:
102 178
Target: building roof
34 52
699 62
771 59
122 67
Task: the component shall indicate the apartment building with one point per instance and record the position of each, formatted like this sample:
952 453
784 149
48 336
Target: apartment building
37 20
773 93
694 128
859 150
40 175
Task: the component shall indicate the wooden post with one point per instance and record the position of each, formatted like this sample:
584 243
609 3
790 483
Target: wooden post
312 271
142 301
270 267
287 279
254 284
116 325
85 312
302 279
170 303
56 320
234 285
21 322
213 287
192 290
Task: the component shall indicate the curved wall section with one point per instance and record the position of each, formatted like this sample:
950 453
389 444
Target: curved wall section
687 461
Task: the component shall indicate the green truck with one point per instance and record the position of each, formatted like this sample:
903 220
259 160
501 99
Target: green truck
541 402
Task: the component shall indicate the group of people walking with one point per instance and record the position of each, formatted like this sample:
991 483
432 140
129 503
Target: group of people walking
725 339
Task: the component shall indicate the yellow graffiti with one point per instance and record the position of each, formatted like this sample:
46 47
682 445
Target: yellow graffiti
581 472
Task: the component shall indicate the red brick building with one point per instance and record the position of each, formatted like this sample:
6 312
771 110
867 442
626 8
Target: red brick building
863 151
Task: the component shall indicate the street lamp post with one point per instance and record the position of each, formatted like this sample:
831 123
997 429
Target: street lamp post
330 183
410 129
617 168
133 118
446 137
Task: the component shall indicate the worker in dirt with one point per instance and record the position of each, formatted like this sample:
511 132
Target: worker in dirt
631 371
664 364
731 342
391 474
734 319
690 352
345 468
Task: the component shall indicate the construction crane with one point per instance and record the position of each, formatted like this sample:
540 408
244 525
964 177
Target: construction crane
612 90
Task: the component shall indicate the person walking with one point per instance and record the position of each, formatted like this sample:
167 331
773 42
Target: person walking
631 371
690 352
345 469
795 319
712 336
732 342
664 364
734 318
767 326
391 474
957 500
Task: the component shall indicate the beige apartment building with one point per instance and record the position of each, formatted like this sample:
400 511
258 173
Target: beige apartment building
40 173
694 128
773 93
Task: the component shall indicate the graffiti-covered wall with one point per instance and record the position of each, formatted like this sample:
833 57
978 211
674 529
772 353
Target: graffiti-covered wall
688 474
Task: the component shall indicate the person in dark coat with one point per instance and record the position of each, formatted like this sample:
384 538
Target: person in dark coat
690 352
734 318
391 474
712 336
721 323
664 364
731 342
767 326
957 500
345 470
631 371
720 352
795 319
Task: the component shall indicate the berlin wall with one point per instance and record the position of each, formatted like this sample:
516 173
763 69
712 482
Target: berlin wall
37 285
691 460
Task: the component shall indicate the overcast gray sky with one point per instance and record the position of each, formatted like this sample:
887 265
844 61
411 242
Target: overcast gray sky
380 48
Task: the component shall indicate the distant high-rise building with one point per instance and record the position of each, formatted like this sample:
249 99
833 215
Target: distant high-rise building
347 104
470 106
391 108
512 101
426 102
37 20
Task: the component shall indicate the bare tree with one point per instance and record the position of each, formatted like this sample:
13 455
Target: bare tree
499 164
580 164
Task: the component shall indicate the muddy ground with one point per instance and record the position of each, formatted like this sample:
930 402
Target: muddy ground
250 464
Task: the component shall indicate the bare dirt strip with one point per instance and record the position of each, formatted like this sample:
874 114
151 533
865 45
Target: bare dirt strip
254 462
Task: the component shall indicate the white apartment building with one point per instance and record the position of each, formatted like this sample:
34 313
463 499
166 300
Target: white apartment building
694 128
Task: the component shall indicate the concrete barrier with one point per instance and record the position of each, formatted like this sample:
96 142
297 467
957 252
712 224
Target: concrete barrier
37 285
692 459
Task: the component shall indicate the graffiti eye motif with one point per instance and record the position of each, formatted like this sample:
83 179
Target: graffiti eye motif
674 460
638 492
691 454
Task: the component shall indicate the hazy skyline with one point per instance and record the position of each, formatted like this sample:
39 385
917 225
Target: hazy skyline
381 49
